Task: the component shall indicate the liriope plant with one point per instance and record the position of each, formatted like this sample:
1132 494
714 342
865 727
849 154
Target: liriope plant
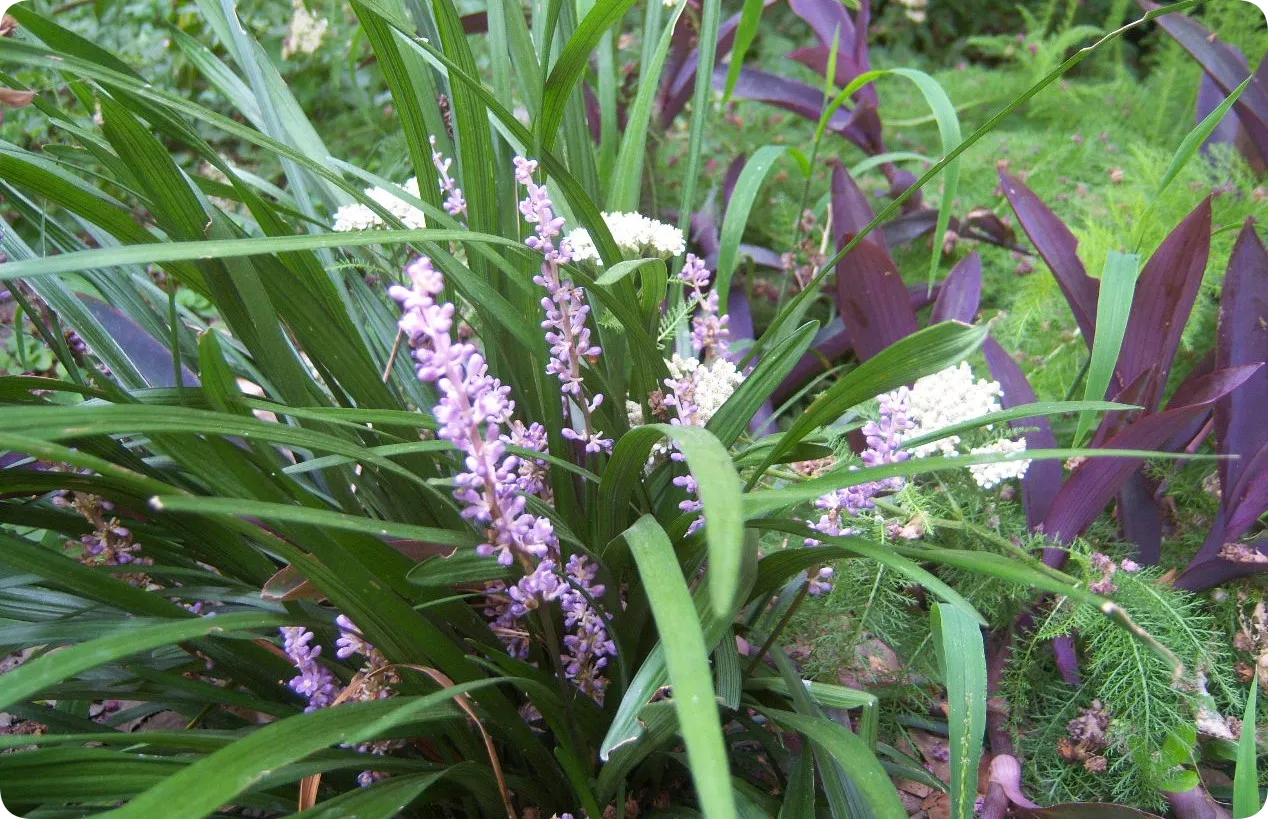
479 542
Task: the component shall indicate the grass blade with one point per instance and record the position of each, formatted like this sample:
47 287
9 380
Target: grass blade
1113 308
1246 775
687 658
962 660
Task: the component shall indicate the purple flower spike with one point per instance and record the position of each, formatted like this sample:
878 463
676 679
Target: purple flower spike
564 304
883 447
473 407
315 682
455 203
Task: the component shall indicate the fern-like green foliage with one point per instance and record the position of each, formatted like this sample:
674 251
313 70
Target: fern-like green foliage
1146 703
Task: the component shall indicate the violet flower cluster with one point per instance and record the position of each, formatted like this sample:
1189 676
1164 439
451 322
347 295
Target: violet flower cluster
697 390
455 203
565 306
884 446
314 682
473 407
319 686
110 543
709 333
494 486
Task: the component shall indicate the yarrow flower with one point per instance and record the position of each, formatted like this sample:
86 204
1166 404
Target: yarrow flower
634 233
355 217
305 33
565 306
953 396
473 408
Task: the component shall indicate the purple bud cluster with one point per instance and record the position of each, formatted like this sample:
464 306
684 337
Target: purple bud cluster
587 646
565 306
473 407
110 543
455 203
709 333
495 485
883 447
314 682
709 340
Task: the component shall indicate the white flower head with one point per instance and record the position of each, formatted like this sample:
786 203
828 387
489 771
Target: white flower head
711 384
953 396
357 216
989 476
305 33
635 234
948 397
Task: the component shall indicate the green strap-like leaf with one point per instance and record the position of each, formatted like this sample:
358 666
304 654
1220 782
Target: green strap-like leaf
862 766
962 660
719 488
240 508
737 210
28 679
1246 774
687 658
204 786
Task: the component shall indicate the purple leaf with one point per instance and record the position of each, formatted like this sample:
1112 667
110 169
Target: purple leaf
1098 479
827 17
1190 431
909 226
1242 338
1140 517
741 326
1164 297
831 350
1043 478
798 97
1239 509
961 292
1213 572
816 361
871 297
1115 421
153 359
1249 498
1227 68
921 296
1058 247
1067 660
900 181
678 90
850 209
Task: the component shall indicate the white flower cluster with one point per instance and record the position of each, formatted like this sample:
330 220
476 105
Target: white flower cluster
698 390
989 476
948 397
305 33
953 396
357 216
916 10
711 384
634 233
